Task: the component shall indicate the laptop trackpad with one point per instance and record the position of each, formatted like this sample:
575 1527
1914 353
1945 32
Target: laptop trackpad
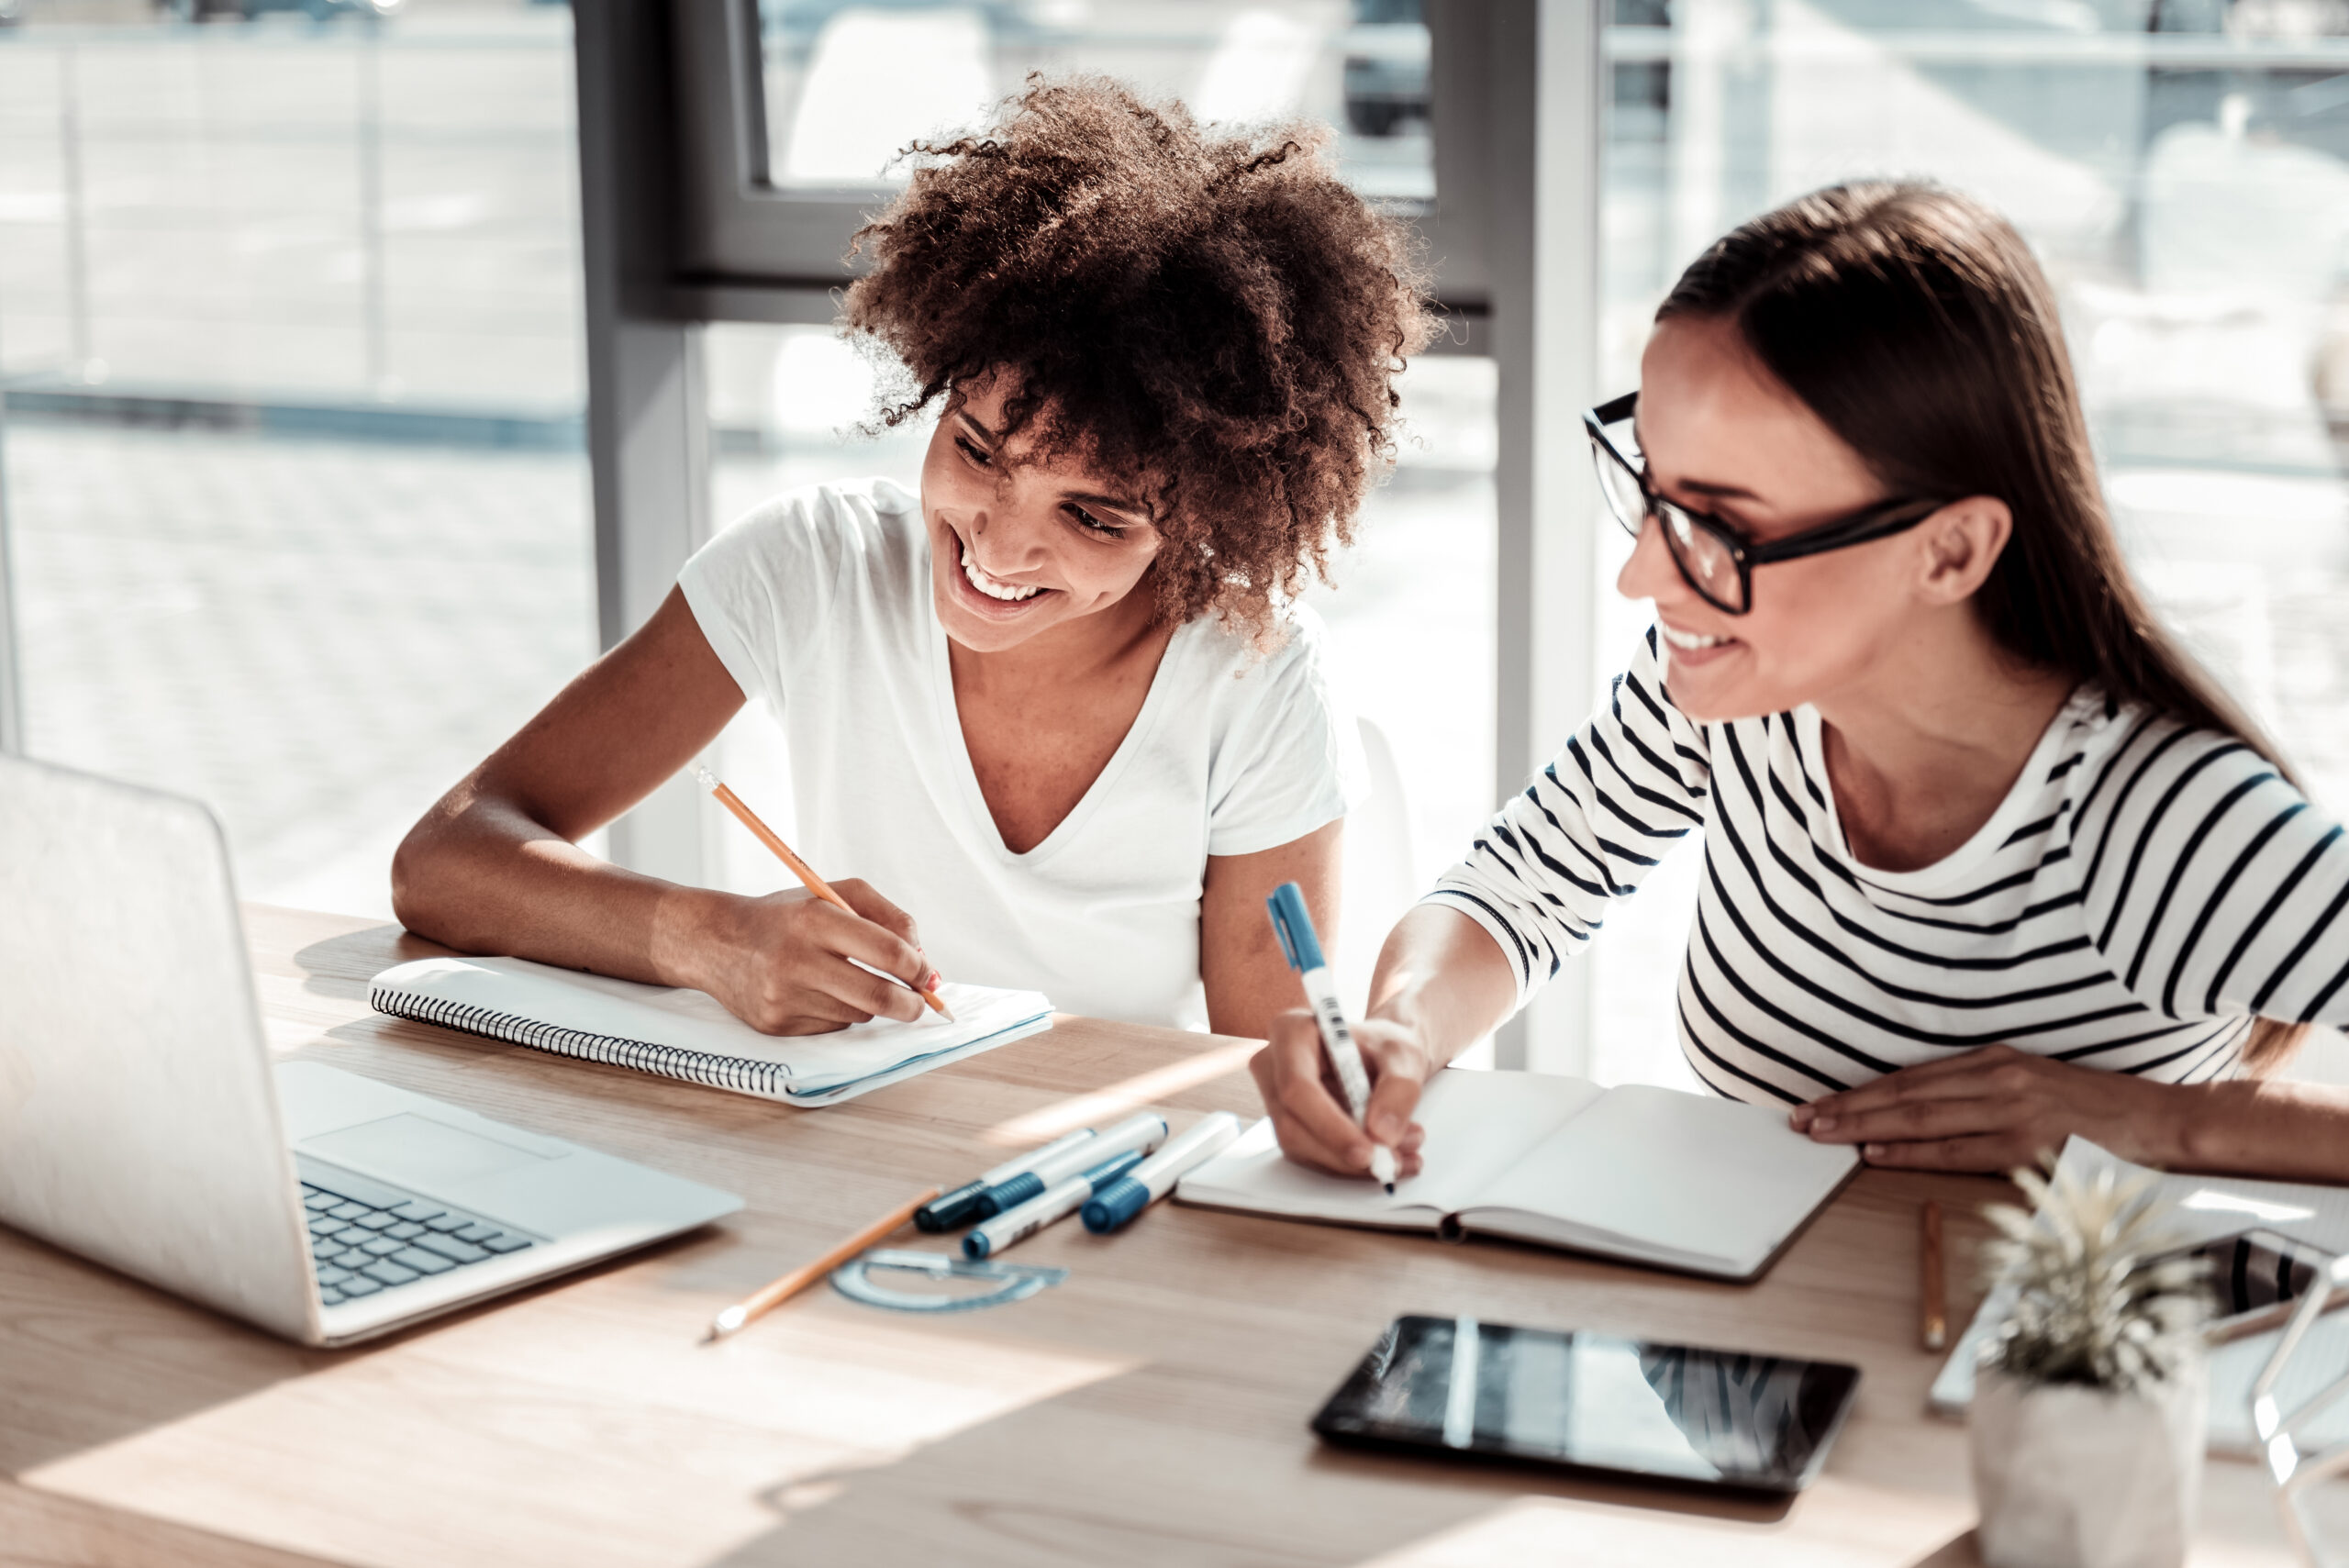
417 1152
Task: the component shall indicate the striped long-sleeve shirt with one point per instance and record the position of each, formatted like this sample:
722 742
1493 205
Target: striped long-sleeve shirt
2143 890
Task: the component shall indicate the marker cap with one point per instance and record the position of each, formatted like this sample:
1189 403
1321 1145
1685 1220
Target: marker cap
1010 1195
1115 1204
1293 925
957 1209
975 1245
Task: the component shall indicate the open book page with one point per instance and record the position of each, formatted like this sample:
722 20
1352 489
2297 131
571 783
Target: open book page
693 1021
2208 1208
1688 1179
1477 1125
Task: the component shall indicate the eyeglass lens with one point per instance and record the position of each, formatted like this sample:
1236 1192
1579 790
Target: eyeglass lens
1703 557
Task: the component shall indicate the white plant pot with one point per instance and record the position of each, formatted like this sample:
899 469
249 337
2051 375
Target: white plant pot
2074 1477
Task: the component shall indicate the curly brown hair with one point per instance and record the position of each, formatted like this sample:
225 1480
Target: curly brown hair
1216 317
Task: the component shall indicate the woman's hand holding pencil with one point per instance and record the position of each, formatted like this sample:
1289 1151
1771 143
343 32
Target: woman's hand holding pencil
811 961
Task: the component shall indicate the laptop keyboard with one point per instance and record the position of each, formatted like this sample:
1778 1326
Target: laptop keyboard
366 1239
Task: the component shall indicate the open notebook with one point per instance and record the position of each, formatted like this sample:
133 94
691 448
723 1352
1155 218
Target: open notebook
2208 1208
1681 1181
687 1035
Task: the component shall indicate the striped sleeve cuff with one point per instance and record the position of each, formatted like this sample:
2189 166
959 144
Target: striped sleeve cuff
1526 963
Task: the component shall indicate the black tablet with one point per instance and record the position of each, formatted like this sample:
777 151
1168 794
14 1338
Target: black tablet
1594 1402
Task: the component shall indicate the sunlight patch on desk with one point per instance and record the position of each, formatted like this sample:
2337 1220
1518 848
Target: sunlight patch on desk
1107 1105
634 1443
1836 1524
2212 1201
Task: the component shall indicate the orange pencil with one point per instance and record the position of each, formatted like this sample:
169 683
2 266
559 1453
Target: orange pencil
732 1319
800 868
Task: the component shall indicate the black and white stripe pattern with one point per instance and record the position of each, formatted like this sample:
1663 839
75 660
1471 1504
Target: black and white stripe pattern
2144 889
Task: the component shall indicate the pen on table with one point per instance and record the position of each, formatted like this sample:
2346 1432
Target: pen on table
965 1203
1293 925
800 868
1156 1177
766 1299
1015 1225
1144 1130
1932 1325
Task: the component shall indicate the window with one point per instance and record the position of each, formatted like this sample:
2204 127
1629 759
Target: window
290 338
807 103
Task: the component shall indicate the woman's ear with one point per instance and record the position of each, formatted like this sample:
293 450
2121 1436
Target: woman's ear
1961 543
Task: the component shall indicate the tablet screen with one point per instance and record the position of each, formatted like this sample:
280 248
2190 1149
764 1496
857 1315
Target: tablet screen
1595 1401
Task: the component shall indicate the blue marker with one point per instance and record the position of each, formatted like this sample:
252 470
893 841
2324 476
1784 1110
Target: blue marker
1064 1199
1293 925
1054 1165
965 1202
1127 1195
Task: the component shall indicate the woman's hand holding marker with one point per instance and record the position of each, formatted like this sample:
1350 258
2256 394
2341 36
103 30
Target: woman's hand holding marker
1309 1106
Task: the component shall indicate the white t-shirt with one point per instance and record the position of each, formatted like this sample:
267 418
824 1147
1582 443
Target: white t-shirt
819 603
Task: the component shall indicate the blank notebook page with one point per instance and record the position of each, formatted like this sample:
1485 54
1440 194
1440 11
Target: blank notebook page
1478 1124
1704 1177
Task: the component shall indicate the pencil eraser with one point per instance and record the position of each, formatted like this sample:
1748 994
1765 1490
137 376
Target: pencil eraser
1115 1204
957 1209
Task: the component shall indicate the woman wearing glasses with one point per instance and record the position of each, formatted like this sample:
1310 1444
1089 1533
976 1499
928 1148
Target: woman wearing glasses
1989 860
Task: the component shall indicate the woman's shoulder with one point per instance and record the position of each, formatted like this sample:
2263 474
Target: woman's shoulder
859 538
1244 666
1284 753
840 519
2117 759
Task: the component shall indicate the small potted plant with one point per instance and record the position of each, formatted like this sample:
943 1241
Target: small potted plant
2090 1399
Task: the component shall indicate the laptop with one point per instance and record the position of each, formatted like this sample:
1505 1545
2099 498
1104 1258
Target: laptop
144 1125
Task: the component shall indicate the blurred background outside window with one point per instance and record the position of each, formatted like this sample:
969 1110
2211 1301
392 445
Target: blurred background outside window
290 333
2181 167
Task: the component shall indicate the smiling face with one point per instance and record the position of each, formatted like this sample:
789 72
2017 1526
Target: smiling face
1720 434
1020 545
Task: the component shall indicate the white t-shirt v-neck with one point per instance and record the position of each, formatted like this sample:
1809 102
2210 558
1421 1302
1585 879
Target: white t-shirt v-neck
818 603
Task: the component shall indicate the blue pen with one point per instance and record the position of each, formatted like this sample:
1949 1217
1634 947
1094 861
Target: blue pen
1293 925
1065 1198
1052 1166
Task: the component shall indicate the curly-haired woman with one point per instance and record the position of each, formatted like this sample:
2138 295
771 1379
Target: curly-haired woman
1062 702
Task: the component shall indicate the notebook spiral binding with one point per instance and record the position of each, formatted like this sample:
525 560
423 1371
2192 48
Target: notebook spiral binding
670 1061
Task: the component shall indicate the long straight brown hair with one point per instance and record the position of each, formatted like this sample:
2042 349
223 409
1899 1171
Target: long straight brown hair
1916 323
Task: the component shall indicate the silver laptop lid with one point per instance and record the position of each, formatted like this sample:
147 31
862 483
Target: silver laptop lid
139 1125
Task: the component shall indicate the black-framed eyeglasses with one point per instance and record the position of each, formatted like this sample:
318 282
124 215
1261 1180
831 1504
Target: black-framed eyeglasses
1713 558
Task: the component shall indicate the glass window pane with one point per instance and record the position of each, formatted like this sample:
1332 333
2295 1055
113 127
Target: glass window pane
2182 172
848 86
290 334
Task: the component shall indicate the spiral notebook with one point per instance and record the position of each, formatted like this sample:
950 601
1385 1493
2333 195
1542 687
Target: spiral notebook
686 1035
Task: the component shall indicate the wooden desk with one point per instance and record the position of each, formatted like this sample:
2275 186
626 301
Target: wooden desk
1150 1411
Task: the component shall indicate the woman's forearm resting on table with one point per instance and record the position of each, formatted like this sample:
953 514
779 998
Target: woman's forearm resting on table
1999 1108
481 874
